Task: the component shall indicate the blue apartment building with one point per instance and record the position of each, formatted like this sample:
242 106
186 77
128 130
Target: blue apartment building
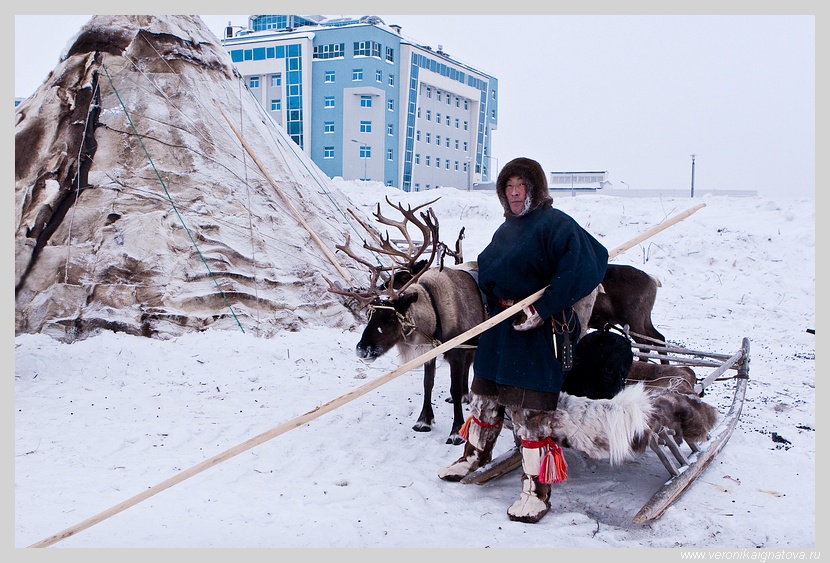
364 102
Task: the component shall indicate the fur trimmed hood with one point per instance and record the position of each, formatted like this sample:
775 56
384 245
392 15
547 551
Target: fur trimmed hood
533 174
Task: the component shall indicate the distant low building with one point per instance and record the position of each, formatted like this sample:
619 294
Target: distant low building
590 180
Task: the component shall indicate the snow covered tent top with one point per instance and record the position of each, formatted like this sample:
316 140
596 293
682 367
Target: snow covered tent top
139 203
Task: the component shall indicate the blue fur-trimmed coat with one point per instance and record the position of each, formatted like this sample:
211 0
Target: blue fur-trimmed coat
544 247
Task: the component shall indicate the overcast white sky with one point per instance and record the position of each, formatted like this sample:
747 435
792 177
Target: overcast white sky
635 95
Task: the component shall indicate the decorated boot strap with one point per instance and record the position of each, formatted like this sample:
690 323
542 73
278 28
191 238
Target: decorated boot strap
553 468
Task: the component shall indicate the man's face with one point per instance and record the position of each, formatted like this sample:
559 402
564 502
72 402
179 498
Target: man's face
516 191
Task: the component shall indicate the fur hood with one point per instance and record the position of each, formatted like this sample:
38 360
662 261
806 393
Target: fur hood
533 174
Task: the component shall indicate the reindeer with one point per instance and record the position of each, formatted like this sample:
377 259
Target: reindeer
417 308
626 297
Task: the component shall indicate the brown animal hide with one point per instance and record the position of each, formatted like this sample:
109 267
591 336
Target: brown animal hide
687 417
672 378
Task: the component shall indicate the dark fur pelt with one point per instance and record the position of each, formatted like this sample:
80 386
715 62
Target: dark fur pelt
602 360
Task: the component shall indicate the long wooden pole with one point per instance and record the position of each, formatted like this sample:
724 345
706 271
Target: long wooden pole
328 407
654 230
288 202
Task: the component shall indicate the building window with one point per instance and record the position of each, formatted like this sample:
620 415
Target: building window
465 126
456 166
438 95
437 162
330 76
365 151
448 121
418 135
328 102
254 82
417 158
429 115
457 102
276 105
465 146
379 76
328 127
367 49
357 74
429 137
426 160
389 154
447 164
390 105
276 80
456 123
448 142
438 118
332 51
390 129
391 80
493 114
456 144
449 100
438 140
365 101
328 152
390 54
466 104
429 92
365 126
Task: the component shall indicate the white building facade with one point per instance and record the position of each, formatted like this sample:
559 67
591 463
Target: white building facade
366 103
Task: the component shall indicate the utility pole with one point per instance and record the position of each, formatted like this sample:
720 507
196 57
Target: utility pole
693 175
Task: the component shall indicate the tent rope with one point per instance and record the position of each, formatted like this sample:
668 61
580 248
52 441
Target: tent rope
169 197
250 215
210 141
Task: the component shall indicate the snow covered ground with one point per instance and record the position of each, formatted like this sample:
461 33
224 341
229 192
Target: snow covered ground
102 420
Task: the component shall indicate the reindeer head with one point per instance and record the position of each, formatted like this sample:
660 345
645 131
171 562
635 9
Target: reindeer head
388 326
386 296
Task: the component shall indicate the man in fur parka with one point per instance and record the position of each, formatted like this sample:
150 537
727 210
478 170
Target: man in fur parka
519 363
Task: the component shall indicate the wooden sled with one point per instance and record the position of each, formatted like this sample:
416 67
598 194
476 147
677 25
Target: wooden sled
683 469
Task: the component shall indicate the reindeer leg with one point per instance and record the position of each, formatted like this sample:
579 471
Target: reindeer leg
427 418
459 369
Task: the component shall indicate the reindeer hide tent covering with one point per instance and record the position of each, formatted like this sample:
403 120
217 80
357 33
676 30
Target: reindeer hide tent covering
137 208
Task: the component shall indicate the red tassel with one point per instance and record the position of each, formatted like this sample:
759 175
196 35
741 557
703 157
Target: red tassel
554 469
464 431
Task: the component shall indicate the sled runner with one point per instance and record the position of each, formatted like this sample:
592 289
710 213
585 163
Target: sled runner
683 468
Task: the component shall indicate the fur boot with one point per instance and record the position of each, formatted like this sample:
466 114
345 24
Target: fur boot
478 451
534 501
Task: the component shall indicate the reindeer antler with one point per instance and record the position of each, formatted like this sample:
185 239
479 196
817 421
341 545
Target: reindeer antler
430 230
404 260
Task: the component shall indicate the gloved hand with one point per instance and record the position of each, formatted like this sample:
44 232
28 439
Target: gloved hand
529 320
